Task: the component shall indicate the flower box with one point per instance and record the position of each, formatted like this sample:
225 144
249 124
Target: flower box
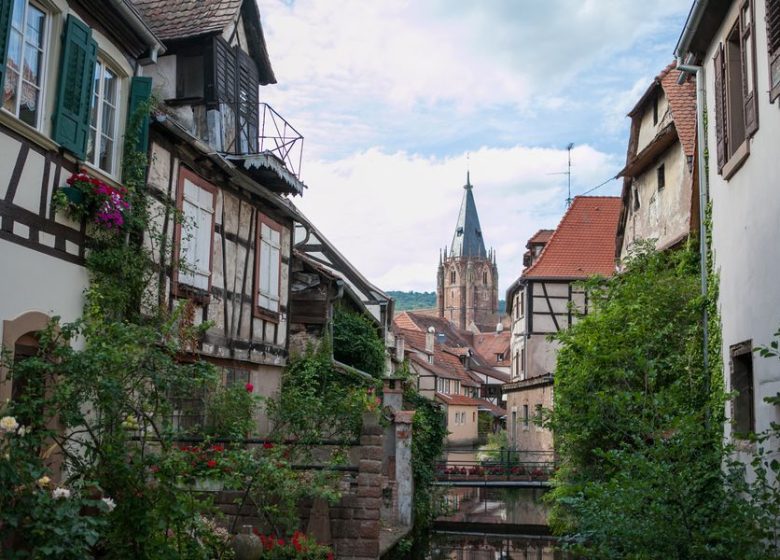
74 195
208 485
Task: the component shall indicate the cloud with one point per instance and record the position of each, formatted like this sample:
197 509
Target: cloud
391 213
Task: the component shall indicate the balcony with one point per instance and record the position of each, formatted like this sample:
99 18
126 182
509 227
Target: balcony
262 143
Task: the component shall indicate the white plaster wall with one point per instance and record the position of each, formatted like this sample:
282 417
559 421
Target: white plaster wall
648 130
662 215
746 232
33 281
540 355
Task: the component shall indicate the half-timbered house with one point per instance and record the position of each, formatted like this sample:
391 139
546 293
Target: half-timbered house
210 152
69 73
545 300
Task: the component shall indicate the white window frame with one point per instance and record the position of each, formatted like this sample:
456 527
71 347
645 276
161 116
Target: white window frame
103 64
268 299
44 63
200 196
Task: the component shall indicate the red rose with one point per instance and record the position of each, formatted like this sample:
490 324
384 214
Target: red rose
211 464
249 387
268 445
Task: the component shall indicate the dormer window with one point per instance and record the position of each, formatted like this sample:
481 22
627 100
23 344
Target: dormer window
459 231
190 82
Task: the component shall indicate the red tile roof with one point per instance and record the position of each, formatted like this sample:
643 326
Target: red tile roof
433 368
541 236
682 102
176 19
583 245
458 400
490 344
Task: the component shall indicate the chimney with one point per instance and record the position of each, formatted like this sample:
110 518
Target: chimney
399 348
429 338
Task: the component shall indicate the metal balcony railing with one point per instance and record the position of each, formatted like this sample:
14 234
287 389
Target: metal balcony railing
238 129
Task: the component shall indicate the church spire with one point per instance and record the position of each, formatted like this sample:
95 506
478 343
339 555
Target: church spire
467 241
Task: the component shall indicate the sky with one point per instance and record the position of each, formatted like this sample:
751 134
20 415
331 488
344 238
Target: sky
397 99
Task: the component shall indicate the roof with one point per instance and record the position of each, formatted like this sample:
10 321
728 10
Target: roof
183 19
682 101
583 244
467 240
541 236
452 336
434 368
463 400
177 19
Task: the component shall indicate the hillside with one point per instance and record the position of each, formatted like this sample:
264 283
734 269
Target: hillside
408 301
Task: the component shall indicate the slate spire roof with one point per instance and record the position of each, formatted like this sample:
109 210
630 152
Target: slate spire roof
467 240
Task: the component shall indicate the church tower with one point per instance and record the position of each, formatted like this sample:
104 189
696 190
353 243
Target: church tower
467 281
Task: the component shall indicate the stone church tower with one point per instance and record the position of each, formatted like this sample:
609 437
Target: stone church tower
467 283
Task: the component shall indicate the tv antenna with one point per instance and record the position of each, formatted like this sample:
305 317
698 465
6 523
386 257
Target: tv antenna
567 173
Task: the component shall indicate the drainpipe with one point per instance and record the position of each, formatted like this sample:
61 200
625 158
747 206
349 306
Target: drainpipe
703 201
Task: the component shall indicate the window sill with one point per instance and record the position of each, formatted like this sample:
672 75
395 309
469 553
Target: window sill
24 129
736 160
102 175
197 295
266 315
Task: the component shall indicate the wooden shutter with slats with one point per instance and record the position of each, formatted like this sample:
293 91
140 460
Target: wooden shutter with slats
747 40
6 7
222 86
247 85
720 106
74 91
773 47
138 124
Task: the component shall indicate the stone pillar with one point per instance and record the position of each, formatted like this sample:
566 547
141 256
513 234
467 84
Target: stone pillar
404 483
393 394
361 539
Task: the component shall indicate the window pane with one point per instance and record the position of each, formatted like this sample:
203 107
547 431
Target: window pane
106 160
109 87
18 14
273 288
35 27
32 59
28 107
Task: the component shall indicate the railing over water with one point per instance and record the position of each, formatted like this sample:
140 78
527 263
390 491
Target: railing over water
501 464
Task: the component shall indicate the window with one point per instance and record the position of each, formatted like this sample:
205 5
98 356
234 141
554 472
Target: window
655 110
661 176
24 66
526 418
736 105
635 196
101 146
452 276
189 76
236 376
430 358
440 384
521 303
514 427
500 357
773 46
538 415
743 412
484 277
269 265
522 363
195 235
473 416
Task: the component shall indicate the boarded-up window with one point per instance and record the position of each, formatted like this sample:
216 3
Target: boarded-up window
743 411
269 263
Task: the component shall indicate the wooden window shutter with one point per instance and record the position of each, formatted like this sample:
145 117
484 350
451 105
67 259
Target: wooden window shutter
6 7
74 91
720 106
748 47
221 82
773 47
138 123
247 97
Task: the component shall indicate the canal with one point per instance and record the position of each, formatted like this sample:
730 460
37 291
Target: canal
492 523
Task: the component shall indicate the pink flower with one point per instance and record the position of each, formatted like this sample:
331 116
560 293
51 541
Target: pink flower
249 387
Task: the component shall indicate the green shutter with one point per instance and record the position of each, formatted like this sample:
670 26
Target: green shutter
140 91
74 91
6 7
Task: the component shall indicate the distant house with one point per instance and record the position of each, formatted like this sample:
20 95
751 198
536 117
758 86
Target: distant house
737 45
447 369
545 300
660 194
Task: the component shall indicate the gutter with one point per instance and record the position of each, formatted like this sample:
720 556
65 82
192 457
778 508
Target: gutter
701 141
135 20
691 24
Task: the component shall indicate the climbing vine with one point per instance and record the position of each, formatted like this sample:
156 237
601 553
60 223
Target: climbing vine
357 343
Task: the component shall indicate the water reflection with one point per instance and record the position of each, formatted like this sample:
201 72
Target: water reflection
494 524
